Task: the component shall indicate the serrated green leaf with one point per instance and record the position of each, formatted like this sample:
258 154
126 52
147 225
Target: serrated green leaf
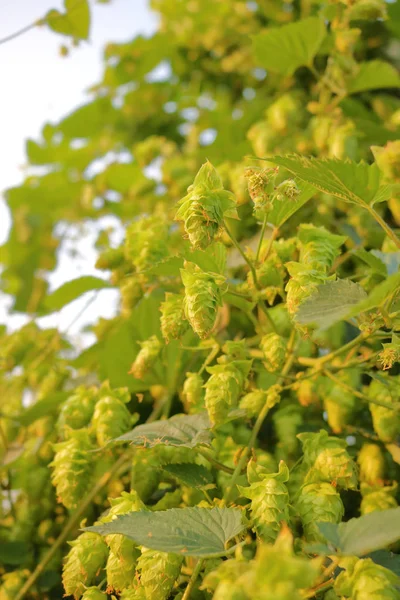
330 303
190 474
357 183
378 296
365 534
371 260
284 49
74 22
72 290
372 75
193 531
282 211
187 431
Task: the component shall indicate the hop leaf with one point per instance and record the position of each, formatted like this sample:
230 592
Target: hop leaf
223 389
173 324
158 573
205 206
84 562
202 298
318 502
269 503
111 419
72 468
150 349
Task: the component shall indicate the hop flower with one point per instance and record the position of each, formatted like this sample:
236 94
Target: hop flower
340 406
390 353
72 468
173 323
146 242
93 593
110 259
287 190
386 421
274 347
304 280
318 502
131 292
202 298
111 419
253 402
12 583
375 499
150 349
193 393
319 247
158 573
137 593
328 460
269 503
77 411
366 580
367 10
84 562
205 206
371 463
223 389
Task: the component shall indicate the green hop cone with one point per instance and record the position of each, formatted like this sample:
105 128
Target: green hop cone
340 406
148 354
111 419
269 503
173 323
158 573
72 468
77 411
145 473
390 354
371 464
134 593
368 581
146 242
223 389
202 210
274 347
193 393
304 280
226 580
386 421
253 402
84 563
368 10
93 593
202 298
131 292
12 583
288 191
328 460
318 502
110 259
376 499
319 247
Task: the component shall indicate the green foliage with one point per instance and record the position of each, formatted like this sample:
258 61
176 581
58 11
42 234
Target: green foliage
233 430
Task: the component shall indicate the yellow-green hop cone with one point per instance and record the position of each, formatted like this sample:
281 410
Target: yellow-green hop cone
269 503
146 242
193 393
84 563
368 581
223 389
274 348
304 280
120 570
340 406
318 246
72 468
202 298
328 460
150 349
136 593
376 499
111 419
77 411
318 502
173 323
93 593
121 546
371 464
331 595
145 473
386 421
226 580
110 259
253 402
131 292
158 573
287 191
12 583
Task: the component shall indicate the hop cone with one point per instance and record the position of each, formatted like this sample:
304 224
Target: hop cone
121 569
158 573
111 419
304 279
368 581
202 298
340 406
150 349
72 468
77 410
84 562
386 421
375 499
319 247
173 323
253 402
223 389
131 292
93 593
146 242
137 593
269 503
193 393
318 502
274 349
371 463
12 583
110 259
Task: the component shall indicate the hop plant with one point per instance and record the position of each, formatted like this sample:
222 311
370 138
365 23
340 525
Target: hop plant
111 419
253 402
84 563
112 258
328 460
137 593
340 406
390 353
202 210
173 323
318 502
386 421
158 573
93 593
77 410
146 241
371 464
376 499
223 389
368 581
12 583
304 280
288 191
149 351
202 298
131 292
269 503
274 348
72 468
318 246
193 393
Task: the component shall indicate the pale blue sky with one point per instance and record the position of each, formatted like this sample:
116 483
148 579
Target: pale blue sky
38 85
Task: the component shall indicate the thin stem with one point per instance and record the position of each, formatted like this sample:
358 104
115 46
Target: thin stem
274 234
260 241
16 34
209 359
214 462
193 579
328 357
387 229
357 394
238 247
72 522
264 309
